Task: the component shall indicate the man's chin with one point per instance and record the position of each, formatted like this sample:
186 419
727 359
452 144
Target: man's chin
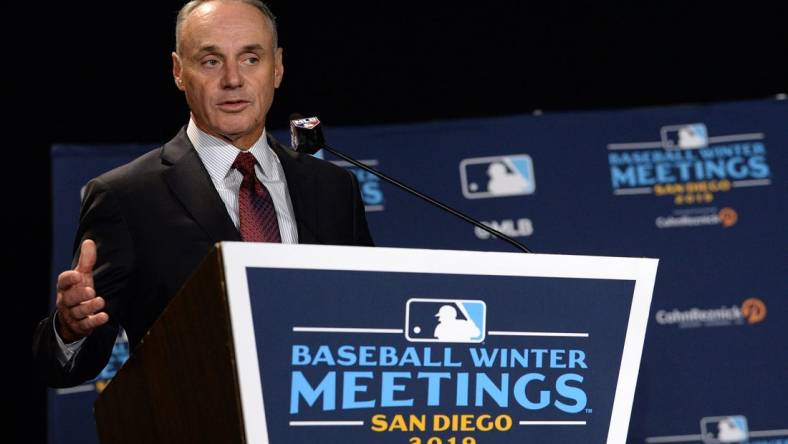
245 135
233 131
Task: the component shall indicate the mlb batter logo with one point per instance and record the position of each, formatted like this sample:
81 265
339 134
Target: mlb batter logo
724 429
497 176
307 123
685 137
445 320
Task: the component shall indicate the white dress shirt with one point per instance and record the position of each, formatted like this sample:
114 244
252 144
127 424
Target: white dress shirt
218 157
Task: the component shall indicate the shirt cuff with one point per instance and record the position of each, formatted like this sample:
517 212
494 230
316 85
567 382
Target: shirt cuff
65 352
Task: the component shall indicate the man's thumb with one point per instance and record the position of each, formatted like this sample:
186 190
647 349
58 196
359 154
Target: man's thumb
87 256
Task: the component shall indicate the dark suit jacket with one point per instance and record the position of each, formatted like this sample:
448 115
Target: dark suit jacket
155 218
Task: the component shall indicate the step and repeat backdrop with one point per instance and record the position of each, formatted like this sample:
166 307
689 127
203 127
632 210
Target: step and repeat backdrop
702 188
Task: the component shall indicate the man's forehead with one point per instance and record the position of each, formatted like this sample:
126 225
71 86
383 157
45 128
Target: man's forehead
221 21
226 9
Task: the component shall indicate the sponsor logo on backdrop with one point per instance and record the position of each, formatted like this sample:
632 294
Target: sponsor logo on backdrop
696 217
497 176
754 310
729 429
520 227
369 184
459 368
684 137
120 353
691 170
751 311
724 429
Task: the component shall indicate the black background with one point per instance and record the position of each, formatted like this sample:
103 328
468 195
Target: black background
99 72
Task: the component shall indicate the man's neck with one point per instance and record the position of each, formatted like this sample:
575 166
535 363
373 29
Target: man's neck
242 142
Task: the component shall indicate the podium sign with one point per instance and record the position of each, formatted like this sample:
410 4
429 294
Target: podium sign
350 344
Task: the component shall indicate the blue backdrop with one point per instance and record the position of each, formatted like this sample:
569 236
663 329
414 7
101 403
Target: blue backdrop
702 188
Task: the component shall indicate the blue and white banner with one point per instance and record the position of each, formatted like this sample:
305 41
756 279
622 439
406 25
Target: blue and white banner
426 346
702 188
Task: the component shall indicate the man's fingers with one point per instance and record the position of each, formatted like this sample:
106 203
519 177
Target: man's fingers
87 257
71 329
77 305
74 296
83 273
68 279
86 308
91 322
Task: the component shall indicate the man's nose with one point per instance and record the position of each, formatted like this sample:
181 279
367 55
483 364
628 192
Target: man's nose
232 77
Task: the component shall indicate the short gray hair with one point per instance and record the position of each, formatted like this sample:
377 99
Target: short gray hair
194 4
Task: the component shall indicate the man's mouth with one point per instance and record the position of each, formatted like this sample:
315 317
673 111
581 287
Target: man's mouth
233 106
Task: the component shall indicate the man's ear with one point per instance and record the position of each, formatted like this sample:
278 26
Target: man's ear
279 68
177 71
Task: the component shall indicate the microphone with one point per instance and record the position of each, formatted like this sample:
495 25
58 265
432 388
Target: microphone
306 136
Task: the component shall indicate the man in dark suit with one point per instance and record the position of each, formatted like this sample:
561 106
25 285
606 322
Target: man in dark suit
145 226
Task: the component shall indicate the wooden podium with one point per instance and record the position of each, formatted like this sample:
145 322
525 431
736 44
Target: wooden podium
233 358
180 383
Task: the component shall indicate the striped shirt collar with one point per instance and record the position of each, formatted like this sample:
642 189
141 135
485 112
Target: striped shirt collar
218 156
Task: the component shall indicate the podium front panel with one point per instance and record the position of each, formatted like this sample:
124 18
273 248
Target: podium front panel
348 344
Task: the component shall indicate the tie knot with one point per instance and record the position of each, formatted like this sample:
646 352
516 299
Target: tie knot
245 163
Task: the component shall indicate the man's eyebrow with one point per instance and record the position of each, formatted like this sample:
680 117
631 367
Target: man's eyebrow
253 47
208 49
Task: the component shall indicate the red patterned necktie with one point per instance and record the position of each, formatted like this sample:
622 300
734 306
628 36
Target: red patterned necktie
256 209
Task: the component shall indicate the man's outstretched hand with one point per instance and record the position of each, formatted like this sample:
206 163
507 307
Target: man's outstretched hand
77 304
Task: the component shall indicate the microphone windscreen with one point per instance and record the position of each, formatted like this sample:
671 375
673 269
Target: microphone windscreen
306 134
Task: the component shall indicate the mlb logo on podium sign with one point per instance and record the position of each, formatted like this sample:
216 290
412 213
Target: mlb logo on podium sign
445 320
497 176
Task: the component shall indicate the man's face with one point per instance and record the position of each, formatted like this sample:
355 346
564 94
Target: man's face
228 68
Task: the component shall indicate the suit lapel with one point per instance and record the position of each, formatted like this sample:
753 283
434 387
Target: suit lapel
300 185
191 184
